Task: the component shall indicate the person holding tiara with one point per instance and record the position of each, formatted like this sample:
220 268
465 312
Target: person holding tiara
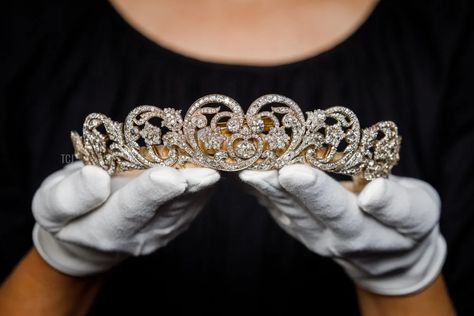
288 240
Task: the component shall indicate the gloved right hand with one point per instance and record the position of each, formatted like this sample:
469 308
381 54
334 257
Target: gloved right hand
87 221
386 237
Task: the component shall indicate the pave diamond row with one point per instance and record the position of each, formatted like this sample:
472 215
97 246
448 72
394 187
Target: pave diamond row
216 133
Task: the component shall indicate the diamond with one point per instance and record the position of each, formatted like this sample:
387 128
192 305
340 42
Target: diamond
199 121
134 131
245 149
290 121
220 155
257 125
233 125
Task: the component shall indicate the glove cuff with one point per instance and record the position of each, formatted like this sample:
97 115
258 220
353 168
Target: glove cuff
72 259
407 281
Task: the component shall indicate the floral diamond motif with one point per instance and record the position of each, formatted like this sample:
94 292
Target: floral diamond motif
172 119
211 137
151 134
277 138
315 119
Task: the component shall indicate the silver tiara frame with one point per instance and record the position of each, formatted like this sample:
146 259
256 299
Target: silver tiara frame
216 133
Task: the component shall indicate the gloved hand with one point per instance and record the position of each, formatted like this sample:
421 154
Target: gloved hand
386 237
87 221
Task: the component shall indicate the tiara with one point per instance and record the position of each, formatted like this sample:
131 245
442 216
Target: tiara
216 133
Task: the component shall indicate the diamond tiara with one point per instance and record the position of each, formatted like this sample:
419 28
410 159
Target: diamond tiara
216 133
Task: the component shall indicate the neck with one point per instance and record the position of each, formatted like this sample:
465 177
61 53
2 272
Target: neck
246 31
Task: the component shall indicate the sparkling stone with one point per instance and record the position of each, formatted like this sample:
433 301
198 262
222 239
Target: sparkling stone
245 131
290 120
245 149
233 125
257 125
220 155
351 137
199 121
134 131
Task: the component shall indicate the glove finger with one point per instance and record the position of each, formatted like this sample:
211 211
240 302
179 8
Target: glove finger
199 181
60 174
76 165
171 213
410 206
70 194
267 184
133 205
285 223
323 197
199 178
160 237
280 218
172 219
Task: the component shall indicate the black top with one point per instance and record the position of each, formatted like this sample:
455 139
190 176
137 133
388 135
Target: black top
410 62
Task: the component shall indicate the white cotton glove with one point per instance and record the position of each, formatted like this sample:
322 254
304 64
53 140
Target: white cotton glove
386 237
87 221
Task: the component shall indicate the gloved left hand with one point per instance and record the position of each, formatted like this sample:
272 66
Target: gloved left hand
88 222
386 237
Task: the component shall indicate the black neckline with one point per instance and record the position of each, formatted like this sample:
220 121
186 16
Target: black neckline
155 46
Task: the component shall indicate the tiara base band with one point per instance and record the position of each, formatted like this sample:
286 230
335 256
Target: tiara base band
216 133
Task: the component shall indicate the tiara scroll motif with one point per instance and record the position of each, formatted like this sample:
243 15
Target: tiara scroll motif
216 133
